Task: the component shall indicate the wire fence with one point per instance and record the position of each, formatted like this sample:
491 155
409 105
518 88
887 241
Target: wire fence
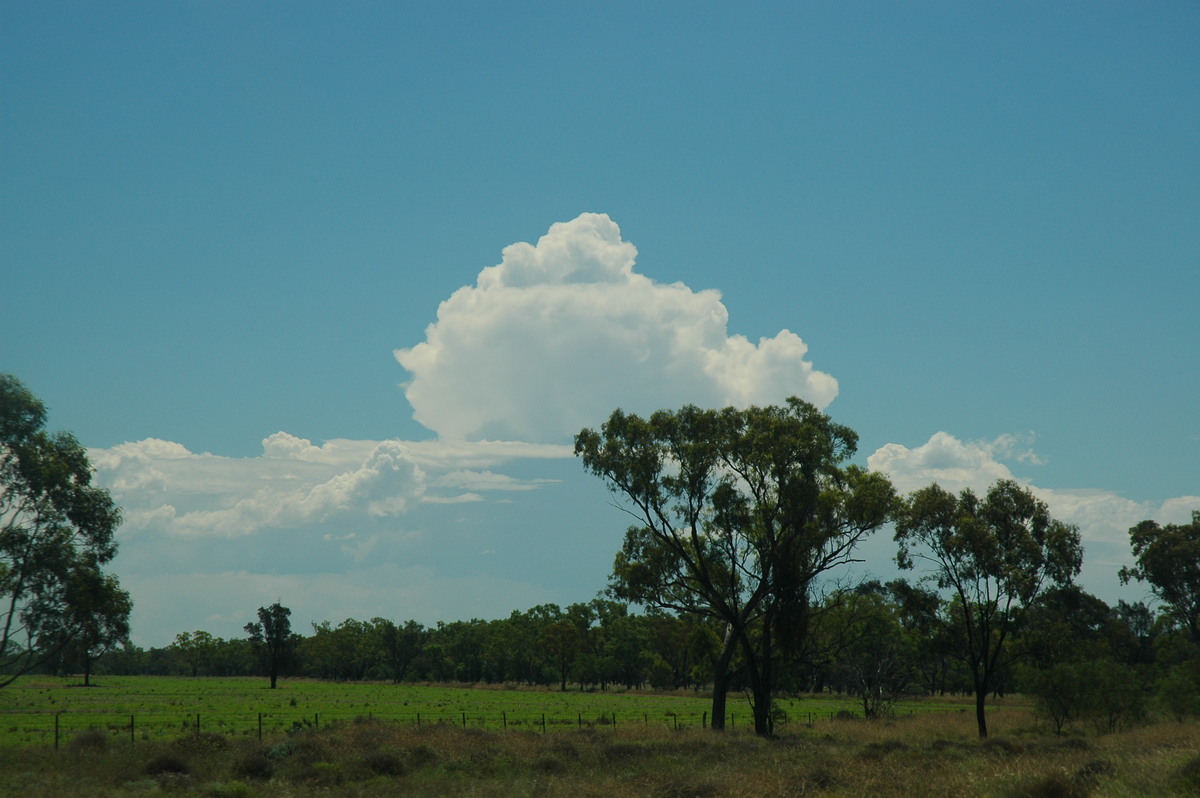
60 728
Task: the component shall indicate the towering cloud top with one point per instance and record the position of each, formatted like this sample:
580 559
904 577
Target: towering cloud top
561 332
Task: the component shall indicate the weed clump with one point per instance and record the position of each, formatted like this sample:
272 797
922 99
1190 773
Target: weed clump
256 766
621 752
878 750
549 764
204 743
1091 772
384 763
998 746
420 756
89 740
1052 785
167 765
1188 776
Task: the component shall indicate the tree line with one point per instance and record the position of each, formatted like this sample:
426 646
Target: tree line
879 642
744 521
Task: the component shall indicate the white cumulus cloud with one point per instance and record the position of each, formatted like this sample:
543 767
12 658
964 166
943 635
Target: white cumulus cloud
562 332
1102 516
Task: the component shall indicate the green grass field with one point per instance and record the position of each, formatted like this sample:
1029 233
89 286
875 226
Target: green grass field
152 708
368 744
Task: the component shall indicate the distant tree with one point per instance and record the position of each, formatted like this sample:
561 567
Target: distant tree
874 657
562 642
194 649
1168 557
98 618
399 645
995 556
1065 624
271 637
56 533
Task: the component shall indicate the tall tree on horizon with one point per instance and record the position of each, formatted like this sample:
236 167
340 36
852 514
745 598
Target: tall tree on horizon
272 638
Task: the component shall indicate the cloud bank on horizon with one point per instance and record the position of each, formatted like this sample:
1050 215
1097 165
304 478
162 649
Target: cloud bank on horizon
559 333
545 343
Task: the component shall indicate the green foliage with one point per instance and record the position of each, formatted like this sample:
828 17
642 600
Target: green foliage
1178 693
272 638
738 513
994 556
56 533
1168 557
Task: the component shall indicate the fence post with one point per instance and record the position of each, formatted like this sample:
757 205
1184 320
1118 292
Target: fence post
504 718
316 720
464 716
579 720
704 720
260 726
543 723
197 724
131 729
614 720
418 720
56 714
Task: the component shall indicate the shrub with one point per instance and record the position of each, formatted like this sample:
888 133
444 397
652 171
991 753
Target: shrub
166 765
89 740
420 755
384 763
255 766
1052 785
1178 693
549 764
1188 776
204 743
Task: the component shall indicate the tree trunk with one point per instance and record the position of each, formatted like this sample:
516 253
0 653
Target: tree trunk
721 679
762 686
980 716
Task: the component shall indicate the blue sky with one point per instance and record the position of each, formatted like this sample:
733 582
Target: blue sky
968 230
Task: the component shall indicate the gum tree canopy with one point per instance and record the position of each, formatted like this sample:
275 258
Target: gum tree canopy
1168 557
56 533
738 513
994 556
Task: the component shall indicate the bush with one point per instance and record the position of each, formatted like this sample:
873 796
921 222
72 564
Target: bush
255 766
1178 694
384 763
1188 776
90 740
1052 785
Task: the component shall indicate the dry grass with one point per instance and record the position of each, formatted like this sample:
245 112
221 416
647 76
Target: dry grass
919 755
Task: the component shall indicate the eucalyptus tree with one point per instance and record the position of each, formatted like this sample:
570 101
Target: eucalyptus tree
56 535
994 556
1168 557
400 645
738 513
271 637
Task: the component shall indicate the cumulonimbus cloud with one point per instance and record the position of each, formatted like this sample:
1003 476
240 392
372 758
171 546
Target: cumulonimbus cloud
562 332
